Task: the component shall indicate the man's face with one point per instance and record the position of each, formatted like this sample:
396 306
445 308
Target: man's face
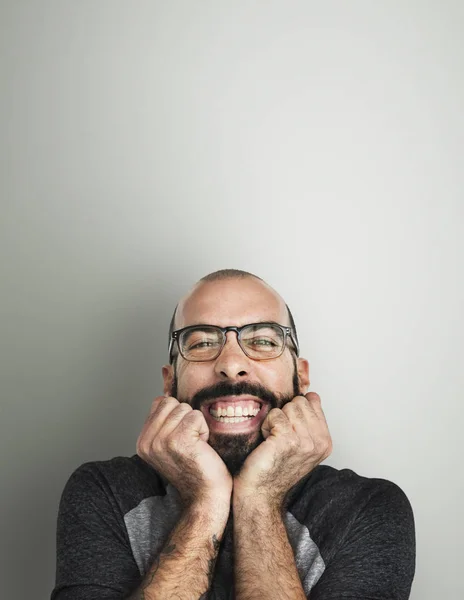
233 381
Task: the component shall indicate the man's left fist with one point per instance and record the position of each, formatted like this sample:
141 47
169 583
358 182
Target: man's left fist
296 440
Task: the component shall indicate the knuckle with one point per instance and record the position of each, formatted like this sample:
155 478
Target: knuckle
187 419
178 413
183 407
294 443
276 413
172 443
168 401
158 401
184 414
299 413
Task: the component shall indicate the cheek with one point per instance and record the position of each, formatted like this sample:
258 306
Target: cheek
191 378
278 377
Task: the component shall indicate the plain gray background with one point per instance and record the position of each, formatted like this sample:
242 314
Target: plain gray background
145 144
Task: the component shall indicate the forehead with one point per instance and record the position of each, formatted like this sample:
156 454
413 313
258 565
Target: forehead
231 302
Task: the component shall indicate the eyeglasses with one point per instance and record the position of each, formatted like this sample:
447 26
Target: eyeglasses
259 341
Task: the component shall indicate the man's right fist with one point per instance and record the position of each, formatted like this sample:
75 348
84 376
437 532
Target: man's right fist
174 440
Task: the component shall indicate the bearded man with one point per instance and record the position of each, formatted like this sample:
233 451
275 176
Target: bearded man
226 497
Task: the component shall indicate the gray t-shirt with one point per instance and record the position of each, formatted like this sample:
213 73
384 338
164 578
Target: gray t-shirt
353 537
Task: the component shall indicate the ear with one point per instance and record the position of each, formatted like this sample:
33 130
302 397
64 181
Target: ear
303 375
168 378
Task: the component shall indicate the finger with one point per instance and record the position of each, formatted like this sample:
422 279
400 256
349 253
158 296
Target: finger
322 437
303 408
275 423
315 403
174 417
161 408
302 422
194 422
308 418
313 420
161 403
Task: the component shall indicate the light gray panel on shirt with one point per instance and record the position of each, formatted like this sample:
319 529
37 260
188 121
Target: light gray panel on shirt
149 525
308 559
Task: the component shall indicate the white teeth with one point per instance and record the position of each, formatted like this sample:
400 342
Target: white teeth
232 419
231 414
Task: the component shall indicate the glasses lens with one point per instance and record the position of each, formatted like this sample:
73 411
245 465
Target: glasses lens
262 341
200 343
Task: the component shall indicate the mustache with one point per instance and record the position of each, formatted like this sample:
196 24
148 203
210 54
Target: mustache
226 388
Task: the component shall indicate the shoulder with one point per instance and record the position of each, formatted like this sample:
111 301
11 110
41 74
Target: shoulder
364 529
121 480
345 491
347 483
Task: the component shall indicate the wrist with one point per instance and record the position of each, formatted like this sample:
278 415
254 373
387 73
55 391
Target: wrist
252 501
208 508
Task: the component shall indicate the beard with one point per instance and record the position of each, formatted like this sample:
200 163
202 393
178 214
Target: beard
234 448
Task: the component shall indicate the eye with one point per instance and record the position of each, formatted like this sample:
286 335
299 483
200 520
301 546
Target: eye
262 342
205 344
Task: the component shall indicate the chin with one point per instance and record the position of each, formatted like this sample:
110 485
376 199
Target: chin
235 449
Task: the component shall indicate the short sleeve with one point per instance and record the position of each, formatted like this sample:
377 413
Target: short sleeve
376 561
94 559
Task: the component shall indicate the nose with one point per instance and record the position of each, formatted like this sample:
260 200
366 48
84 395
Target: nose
232 363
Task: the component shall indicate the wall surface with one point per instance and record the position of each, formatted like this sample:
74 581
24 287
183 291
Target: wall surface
317 144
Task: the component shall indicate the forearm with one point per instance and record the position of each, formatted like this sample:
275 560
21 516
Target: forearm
185 566
264 561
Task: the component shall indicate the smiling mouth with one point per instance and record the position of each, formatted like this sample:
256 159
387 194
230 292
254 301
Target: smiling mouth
236 411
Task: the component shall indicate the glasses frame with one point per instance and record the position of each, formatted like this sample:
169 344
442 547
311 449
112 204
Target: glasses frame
286 331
